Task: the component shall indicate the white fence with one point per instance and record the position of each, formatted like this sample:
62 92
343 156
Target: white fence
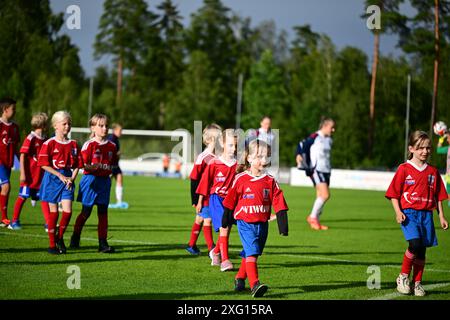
348 179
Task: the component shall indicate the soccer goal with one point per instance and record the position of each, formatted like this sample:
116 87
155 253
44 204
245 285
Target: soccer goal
142 151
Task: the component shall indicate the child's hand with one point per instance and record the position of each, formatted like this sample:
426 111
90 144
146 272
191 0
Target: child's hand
400 217
273 217
444 223
198 208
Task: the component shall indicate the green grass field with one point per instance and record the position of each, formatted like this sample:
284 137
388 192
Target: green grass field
151 262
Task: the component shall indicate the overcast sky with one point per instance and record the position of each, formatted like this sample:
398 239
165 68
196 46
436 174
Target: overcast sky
339 19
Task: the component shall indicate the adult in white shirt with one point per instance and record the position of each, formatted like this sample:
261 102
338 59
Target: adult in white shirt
320 155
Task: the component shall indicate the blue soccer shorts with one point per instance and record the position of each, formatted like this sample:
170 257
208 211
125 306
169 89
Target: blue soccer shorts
27 192
204 213
253 237
216 211
419 225
94 190
5 174
53 190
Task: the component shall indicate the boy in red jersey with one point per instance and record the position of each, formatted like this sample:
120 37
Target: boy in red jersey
415 191
211 136
30 173
214 183
249 202
9 141
99 157
59 157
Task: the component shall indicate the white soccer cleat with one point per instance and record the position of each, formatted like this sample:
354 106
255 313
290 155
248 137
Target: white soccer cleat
403 284
215 258
419 291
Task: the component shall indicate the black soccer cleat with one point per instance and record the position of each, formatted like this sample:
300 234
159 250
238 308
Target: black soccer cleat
239 284
74 242
60 245
103 247
259 289
54 251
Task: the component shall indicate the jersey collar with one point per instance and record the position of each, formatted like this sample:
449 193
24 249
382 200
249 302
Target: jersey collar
228 164
422 168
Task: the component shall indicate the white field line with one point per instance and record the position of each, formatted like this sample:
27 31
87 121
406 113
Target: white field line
397 294
299 256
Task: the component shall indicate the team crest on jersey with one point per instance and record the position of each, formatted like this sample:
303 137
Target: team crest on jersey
409 180
266 193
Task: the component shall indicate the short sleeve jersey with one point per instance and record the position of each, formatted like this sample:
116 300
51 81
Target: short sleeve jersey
217 178
30 148
60 155
9 142
104 153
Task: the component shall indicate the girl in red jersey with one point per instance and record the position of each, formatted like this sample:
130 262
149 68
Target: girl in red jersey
99 157
211 136
59 157
249 202
215 182
415 191
30 173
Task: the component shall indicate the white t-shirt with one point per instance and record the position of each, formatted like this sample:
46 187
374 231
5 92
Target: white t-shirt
321 153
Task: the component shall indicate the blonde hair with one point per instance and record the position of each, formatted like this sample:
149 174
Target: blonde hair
211 133
416 139
59 116
252 148
39 121
95 119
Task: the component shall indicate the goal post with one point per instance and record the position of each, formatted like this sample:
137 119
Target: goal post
181 150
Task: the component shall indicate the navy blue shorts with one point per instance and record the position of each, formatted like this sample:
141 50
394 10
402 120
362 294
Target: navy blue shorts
53 190
253 237
320 177
5 174
94 190
116 171
27 192
216 211
419 225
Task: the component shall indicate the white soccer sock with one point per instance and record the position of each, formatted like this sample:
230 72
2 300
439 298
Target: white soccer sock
317 208
119 194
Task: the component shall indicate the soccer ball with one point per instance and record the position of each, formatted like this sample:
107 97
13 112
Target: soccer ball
440 128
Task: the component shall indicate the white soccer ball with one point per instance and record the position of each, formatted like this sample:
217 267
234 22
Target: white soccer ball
440 128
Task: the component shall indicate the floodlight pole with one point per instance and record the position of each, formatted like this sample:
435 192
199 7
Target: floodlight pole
91 89
408 101
239 101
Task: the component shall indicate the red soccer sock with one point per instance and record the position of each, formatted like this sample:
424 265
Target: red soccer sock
65 219
207 232
217 247
4 206
102 226
408 260
194 234
242 273
18 208
223 247
252 270
79 224
419 265
52 221
45 211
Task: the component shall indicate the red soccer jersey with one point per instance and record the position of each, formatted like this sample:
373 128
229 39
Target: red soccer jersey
252 197
9 140
33 173
200 164
105 153
217 178
417 188
60 155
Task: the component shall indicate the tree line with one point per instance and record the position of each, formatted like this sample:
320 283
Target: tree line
165 75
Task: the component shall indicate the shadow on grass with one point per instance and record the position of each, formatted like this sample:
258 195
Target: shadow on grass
315 263
159 296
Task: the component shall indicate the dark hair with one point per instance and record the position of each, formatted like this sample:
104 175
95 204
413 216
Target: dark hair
416 139
6 103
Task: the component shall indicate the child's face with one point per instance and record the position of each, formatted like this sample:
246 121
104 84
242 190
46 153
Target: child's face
259 160
118 132
63 127
421 151
10 112
229 147
100 129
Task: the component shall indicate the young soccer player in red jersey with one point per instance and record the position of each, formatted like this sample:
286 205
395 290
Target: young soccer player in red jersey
59 157
214 183
9 141
211 136
249 202
30 173
415 191
99 157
